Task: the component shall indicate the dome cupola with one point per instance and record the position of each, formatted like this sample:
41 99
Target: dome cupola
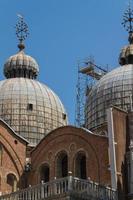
20 64
115 88
126 55
29 107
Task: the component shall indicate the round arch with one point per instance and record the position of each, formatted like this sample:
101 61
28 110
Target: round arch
11 181
44 172
80 164
62 164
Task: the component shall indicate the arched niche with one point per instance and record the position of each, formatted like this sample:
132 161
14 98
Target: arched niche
44 173
80 165
62 164
12 182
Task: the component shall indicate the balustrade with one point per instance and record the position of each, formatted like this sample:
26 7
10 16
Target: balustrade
68 186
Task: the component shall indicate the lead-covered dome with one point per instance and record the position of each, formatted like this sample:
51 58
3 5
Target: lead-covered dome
21 65
30 108
113 89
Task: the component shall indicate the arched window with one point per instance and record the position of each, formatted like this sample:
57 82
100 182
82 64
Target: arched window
62 165
80 165
12 182
44 173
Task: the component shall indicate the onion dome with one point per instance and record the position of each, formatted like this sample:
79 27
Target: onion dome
21 65
29 107
126 55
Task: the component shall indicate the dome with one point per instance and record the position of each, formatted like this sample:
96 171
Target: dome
30 108
21 65
115 88
126 55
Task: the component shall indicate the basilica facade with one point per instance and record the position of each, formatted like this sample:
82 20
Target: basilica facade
43 157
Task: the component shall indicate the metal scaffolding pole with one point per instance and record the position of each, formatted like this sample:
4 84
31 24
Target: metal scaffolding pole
88 74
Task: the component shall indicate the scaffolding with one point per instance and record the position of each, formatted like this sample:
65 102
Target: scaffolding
88 74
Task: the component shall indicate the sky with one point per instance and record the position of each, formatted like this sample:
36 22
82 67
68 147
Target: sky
62 32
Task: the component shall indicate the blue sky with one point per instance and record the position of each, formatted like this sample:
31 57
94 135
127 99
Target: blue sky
61 33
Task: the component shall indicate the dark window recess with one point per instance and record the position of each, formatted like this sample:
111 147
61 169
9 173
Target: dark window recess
44 174
64 116
30 106
81 166
15 141
62 165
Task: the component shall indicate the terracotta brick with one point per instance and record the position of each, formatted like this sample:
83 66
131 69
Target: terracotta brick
72 140
13 155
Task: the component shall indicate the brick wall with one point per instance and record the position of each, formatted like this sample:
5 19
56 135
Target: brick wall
72 140
12 156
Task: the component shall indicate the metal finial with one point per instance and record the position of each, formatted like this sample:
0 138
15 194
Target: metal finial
128 21
21 31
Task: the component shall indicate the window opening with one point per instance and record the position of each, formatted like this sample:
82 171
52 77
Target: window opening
62 165
12 182
64 116
44 173
30 106
81 166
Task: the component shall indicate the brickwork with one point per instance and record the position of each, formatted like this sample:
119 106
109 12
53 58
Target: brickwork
72 140
13 154
68 140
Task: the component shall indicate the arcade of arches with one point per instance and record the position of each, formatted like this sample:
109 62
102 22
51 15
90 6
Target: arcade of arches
69 150
62 167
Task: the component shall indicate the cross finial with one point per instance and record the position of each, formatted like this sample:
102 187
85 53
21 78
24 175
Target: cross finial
21 31
128 21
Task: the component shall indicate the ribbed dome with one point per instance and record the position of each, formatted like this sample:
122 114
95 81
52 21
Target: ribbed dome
30 108
126 55
21 65
114 88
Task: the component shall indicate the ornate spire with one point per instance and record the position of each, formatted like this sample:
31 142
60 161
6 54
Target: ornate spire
128 22
21 31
